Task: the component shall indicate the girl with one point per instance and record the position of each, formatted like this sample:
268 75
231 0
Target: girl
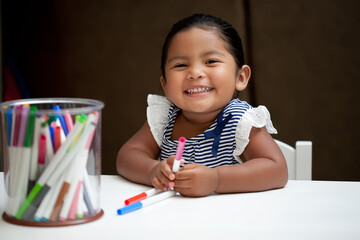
228 148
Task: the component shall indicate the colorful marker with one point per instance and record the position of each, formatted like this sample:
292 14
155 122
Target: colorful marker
142 196
68 120
57 137
22 170
42 153
178 156
49 146
23 124
61 118
146 202
14 151
34 154
8 124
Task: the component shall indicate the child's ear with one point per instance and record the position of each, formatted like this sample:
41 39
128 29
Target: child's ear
243 77
163 83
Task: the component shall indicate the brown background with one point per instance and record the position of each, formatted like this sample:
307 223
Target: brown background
304 56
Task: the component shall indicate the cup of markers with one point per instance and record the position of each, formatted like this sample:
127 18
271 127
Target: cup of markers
51 151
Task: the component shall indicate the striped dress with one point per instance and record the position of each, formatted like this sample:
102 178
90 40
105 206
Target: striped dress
221 144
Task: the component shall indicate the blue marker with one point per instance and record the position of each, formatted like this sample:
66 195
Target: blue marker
51 130
146 202
62 120
9 124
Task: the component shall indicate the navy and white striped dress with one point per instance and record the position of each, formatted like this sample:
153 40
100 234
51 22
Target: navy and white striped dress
217 145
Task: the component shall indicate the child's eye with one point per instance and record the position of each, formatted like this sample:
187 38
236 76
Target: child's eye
180 65
212 61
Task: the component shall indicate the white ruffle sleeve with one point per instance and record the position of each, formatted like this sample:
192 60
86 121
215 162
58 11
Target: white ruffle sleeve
157 113
256 117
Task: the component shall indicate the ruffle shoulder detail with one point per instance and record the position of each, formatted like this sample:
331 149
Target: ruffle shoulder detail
255 117
157 115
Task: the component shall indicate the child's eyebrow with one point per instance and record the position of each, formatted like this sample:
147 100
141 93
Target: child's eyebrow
177 58
213 52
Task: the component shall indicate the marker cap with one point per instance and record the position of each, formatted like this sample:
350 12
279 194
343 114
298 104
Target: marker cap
180 148
136 198
129 208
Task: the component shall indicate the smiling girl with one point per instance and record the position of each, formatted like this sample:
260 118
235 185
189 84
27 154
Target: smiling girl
228 148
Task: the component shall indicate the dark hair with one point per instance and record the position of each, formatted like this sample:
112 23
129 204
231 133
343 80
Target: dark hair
225 30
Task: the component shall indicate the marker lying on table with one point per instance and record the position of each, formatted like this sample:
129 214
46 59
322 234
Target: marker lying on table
142 196
146 202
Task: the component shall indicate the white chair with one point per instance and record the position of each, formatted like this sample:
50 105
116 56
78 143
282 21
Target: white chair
298 159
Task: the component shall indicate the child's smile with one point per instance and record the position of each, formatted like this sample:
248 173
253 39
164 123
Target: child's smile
198 90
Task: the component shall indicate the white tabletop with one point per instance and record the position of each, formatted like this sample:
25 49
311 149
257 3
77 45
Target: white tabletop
301 210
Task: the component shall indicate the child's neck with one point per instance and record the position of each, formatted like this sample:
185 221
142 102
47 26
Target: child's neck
191 125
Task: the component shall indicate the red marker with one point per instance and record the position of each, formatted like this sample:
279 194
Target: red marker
57 138
142 196
42 152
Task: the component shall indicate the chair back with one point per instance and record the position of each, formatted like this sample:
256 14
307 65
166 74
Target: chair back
298 159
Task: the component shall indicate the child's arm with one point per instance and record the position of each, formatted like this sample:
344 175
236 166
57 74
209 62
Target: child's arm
264 169
137 161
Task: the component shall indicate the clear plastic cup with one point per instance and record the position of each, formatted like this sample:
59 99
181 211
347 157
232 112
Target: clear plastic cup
52 160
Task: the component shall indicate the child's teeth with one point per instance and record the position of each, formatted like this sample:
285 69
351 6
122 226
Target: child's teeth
197 90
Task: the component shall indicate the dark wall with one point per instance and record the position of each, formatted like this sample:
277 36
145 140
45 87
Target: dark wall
304 58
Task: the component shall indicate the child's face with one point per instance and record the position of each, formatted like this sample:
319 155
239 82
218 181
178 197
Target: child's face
201 75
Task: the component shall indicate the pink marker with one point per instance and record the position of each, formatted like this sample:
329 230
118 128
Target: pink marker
75 202
68 120
178 156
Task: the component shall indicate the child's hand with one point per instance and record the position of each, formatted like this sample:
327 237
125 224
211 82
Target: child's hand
162 176
196 180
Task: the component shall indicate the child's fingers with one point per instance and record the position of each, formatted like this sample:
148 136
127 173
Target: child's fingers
183 183
166 182
166 169
168 173
187 172
190 166
158 184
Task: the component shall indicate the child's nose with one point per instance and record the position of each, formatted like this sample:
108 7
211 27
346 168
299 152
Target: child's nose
195 73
